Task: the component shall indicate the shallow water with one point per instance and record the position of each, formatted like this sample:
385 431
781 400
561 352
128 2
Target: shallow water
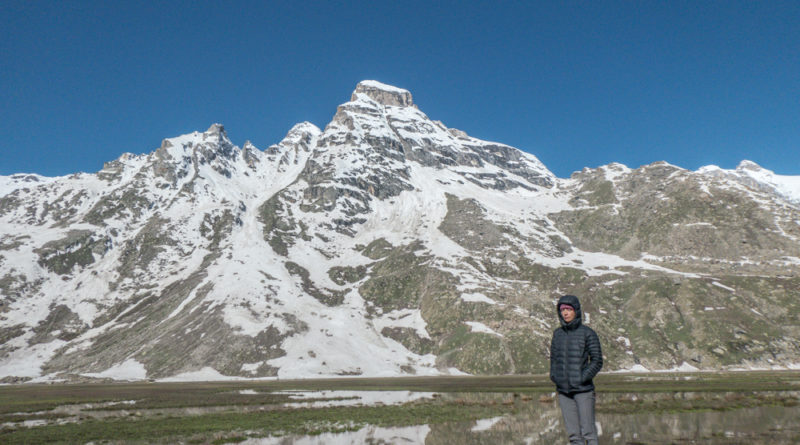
539 422
322 399
368 435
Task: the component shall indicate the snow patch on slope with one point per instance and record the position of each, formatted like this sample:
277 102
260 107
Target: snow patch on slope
128 370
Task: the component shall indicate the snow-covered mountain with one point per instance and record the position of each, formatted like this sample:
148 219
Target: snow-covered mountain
387 244
754 175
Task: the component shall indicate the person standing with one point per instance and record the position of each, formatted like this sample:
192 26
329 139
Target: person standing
575 359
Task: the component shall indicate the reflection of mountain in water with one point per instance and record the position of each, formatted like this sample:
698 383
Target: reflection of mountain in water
537 422
540 423
758 425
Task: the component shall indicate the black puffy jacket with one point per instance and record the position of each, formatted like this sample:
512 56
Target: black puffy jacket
575 355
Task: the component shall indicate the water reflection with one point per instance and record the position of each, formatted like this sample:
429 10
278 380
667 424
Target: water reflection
538 421
322 399
759 425
369 435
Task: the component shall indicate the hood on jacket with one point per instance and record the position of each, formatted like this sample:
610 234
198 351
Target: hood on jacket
573 301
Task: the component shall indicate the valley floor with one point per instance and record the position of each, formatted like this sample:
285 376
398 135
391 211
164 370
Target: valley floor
737 407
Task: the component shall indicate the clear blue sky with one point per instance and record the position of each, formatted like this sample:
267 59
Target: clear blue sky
575 83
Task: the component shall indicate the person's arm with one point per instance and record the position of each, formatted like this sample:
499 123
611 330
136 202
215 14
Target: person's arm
595 357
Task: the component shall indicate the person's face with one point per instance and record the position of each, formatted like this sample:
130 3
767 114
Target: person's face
568 313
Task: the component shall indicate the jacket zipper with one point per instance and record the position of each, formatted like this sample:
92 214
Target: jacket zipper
566 356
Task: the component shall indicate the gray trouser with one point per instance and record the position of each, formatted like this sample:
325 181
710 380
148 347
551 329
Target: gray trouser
578 412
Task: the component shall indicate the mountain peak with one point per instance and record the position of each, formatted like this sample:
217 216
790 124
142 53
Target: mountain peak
216 130
383 93
749 165
216 133
305 127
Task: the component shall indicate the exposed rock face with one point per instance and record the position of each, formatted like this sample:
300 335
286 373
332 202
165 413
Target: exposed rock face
387 244
383 94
